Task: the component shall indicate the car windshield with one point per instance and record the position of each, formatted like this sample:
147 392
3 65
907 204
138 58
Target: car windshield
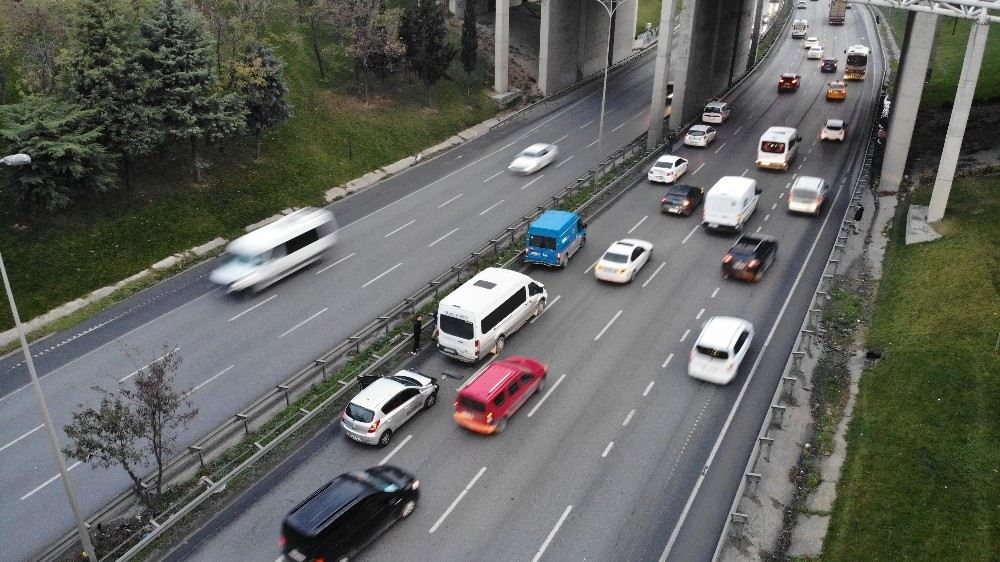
545 242
455 326
246 261
361 414
616 258
773 147
713 353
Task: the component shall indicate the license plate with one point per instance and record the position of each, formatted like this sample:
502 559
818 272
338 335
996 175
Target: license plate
355 437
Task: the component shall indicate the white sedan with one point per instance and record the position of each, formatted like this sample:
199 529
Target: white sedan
810 42
834 130
668 169
699 135
815 52
534 158
623 260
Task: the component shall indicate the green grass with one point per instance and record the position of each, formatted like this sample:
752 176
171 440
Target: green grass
921 477
949 53
649 12
59 258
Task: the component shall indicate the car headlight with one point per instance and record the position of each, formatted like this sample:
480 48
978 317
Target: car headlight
415 485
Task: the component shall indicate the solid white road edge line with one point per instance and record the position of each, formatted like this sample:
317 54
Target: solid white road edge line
544 310
341 260
302 323
252 308
608 325
380 275
547 394
395 450
136 372
458 499
40 426
49 481
552 534
662 264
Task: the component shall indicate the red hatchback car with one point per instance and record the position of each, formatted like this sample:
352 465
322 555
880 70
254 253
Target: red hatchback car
486 402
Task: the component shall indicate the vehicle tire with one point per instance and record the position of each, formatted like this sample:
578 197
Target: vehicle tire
385 438
539 309
498 346
407 509
501 425
541 386
562 262
431 400
631 277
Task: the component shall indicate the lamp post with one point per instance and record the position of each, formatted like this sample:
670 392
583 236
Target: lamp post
50 431
609 6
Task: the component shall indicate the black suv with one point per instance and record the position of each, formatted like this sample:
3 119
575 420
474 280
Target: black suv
828 65
346 514
682 199
749 257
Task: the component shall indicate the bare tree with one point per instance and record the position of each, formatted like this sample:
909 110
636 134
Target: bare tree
220 22
39 27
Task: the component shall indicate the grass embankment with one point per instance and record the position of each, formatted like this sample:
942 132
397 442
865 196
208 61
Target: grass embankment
922 476
334 137
946 63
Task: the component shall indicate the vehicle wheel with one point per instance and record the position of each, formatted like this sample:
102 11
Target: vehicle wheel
498 346
385 438
408 508
541 386
501 425
631 277
562 262
431 400
539 309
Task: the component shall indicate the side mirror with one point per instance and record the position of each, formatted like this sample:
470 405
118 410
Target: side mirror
798 139
758 190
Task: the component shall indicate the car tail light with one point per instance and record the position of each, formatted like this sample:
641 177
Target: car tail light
282 541
753 264
664 200
489 417
477 347
687 203
727 259
374 426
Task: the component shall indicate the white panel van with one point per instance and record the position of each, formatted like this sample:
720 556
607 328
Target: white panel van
729 203
778 147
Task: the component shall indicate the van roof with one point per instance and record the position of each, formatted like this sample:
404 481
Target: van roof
492 379
479 294
553 220
280 231
732 186
778 134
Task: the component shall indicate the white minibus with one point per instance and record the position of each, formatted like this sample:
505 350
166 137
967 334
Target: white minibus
274 251
479 316
730 203
778 147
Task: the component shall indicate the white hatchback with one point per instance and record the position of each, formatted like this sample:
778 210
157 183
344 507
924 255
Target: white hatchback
382 407
834 130
810 42
720 349
815 52
667 169
623 260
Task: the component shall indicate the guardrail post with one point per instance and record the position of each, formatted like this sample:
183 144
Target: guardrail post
797 361
787 387
737 525
243 418
765 448
777 415
284 388
321 363
195 449
753 482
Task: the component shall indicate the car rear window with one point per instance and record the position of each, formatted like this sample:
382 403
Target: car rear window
455 326
804 194
773 147
833 127
713 353
471 405
616 258
538 241
359 413
696 133
712 110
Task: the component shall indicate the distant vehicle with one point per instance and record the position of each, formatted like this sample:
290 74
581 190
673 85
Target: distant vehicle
479 316
801 5
810 42
715 112
800 28
857 62
623 260
667 169
836 90
834 130
682 199
554 237
720 349
829 64
750 257
807 195
789 82
837 12
534 158
272 252
487 401
699 135
382 407
814 53
778 148
730 203
338 520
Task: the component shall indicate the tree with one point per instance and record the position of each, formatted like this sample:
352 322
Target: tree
373 31
67 157
105 77
423 34
40 30
261 83
134 426
470 43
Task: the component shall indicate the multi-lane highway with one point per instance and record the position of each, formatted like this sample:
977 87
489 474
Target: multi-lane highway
612 461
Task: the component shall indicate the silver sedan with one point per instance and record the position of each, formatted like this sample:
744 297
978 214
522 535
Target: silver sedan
699 135
534 158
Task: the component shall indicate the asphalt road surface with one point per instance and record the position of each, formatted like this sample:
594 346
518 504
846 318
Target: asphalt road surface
607 463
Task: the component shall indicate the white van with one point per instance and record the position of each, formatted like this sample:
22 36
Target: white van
778 147
479 316
730 202
715 112
274 251
807 195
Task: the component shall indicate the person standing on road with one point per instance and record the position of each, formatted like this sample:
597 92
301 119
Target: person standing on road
858 214
417 325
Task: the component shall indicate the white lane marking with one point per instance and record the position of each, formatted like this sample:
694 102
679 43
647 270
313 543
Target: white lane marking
587 124
400 228
395 450
136 372
450 200
690 233
718 150
654 273
767 216
493 176
49 481
593 143
698 169
546 309
800 167
525 186
458 499
759 228
40 426
639 113
341 260
607 449
642 220
302 323
738 129
459 157
381 275
686 334
561 162
491 207
667 362
793 176
804 158
787 185
628 418
774 206
210 379
608 325
618 127
431 245
547 394
560 139
591 266
745 172
552 534
715 292
261 303
700 312
648 388
810 150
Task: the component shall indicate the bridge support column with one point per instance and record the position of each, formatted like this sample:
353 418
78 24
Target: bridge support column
501 80
959 118
660 73
917 49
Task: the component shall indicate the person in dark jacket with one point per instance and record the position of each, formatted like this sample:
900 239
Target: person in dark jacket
418 321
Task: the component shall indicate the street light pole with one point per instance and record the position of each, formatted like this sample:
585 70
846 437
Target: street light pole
50 432
610 9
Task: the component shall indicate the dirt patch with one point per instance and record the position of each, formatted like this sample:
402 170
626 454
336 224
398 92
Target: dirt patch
980 146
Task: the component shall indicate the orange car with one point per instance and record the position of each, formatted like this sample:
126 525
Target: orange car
837 90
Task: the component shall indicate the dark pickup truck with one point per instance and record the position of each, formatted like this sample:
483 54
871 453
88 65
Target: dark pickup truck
749 257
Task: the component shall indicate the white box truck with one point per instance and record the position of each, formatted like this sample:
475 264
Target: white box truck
729 203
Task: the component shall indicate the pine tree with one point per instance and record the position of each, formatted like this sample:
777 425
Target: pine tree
470 43
424 36
105 77
261 82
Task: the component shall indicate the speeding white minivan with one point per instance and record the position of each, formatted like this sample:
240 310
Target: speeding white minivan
730 203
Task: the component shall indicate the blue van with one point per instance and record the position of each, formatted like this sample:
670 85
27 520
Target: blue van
553 237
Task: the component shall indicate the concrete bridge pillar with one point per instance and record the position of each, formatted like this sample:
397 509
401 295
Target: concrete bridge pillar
501 79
